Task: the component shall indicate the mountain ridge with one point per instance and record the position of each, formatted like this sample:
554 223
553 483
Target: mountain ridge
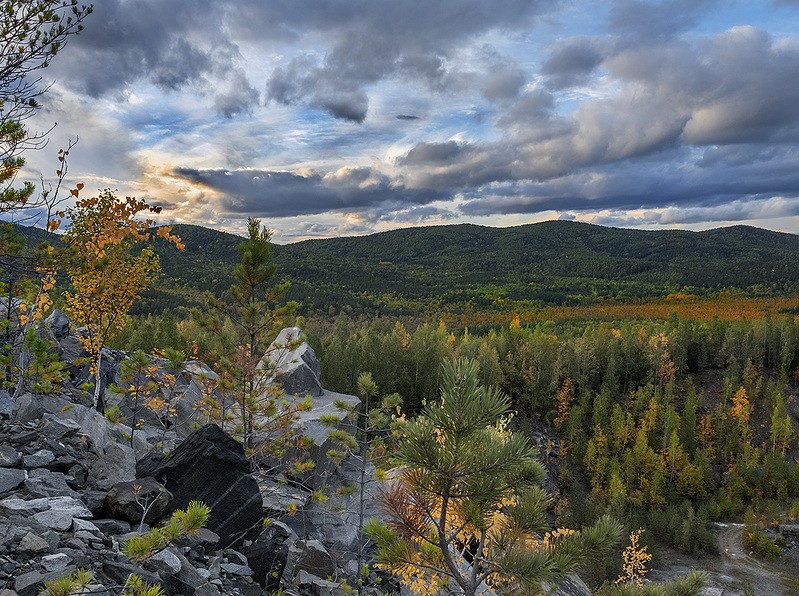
424 269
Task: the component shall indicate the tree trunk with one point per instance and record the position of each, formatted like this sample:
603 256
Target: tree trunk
97 401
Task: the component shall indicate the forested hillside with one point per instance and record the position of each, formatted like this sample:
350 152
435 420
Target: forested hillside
452 268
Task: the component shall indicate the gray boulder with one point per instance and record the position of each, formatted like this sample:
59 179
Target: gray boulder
31 583
118 464
38 460
29 407
9 457
6 405
44 483
56 426
295 369
11 478
58 324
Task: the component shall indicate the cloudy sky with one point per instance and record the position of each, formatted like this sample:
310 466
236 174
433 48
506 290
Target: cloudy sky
340 117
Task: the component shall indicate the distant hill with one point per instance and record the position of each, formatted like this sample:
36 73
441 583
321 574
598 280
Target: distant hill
425 269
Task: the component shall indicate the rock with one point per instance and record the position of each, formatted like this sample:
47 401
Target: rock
83 525
31 583
337 520
94 500
11 478
56 427
118 464
33 543
571 585
38 460
267 555
165 561
56 562
278 496
316 585
59 512
44 483
210 466
149 463
310 556
119 571
236 569
29 407
127 500
9 457
58 324
6 405
112 526
296 369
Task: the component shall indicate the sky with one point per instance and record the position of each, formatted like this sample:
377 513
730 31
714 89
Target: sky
346 117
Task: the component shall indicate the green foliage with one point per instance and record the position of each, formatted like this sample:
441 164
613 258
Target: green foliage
114 414
761 543
242 325
469 479
136 586
689 585
45 372
69 584
182 523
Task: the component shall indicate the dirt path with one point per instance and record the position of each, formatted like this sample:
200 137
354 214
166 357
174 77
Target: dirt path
733 568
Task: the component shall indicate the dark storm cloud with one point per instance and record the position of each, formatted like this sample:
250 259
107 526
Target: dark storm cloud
240 97
371 41
648 20
406 117
671 101
171 43
284 194
572 63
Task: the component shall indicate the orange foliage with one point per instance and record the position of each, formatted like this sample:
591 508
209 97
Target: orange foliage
725 307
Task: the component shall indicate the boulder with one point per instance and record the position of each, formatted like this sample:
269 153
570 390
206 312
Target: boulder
6 405
58 324
29 407
210 466
9 457
11 478
295 368
336 521
128 500
56 427
571 585
310 556
31 583
39 459
118 464
268 554
33 543
44 483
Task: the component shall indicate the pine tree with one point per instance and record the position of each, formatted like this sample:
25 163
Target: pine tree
467 507
244 323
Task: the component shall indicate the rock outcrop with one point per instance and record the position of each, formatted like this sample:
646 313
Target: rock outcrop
210 466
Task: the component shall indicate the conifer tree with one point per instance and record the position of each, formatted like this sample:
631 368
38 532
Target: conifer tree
467 508
250 311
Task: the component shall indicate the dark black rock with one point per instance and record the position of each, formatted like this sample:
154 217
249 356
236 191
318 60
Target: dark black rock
127 500
149 463
267 558
210 466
